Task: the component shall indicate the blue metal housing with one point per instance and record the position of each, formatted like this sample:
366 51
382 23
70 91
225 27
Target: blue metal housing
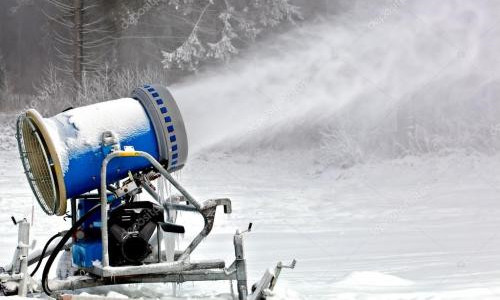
61 164
84 168
87 244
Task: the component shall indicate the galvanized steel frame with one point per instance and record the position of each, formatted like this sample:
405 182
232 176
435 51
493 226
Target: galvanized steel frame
179 270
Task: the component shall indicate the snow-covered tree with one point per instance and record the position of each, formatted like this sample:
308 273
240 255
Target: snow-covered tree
222 27
82 35
3 74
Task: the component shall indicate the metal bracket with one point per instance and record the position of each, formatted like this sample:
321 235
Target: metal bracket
18 273
278 269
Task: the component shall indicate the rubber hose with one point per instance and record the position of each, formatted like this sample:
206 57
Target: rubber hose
43 252
60 245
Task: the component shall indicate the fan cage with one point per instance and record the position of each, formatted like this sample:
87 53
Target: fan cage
38 164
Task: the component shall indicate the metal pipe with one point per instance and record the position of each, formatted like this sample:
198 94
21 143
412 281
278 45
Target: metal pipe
169 177
159 238
240 264
151 192
103 195
166 204
158 268
104 208
81 282
24 243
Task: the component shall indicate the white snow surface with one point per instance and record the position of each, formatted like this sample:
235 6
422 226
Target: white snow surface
413 228
370 279
79 129
417 223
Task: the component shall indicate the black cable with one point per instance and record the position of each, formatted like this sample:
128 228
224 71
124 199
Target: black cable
45 250
60 245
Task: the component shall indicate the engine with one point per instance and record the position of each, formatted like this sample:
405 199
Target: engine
131 227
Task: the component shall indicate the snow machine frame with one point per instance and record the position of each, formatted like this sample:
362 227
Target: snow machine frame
181 269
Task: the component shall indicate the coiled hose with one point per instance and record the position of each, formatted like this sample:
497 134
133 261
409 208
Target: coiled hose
59 247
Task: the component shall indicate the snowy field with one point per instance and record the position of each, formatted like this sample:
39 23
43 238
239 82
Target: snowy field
414 228
366 146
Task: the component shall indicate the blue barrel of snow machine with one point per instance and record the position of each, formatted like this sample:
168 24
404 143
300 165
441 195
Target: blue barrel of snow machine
63 155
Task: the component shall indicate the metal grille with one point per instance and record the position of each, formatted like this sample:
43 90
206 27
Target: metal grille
37 164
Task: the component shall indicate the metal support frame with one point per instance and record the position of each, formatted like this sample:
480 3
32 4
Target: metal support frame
181 269
240 266
104 201
191 271
17 271
23 245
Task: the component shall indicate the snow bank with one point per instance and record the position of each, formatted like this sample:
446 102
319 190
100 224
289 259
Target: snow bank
372 279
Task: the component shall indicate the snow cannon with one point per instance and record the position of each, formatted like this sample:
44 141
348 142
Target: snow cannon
62 155
101 157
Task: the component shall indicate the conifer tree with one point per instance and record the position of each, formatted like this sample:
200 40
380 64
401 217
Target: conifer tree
236 24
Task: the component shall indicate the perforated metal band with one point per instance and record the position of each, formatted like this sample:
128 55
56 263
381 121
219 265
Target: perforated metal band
167 122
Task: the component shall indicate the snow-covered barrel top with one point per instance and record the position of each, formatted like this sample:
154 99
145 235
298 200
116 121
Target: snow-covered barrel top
63 155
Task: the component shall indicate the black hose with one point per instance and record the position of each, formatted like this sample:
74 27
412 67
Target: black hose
42 255
60 245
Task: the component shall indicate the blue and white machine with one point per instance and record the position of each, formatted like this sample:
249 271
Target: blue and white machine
64 154
99 158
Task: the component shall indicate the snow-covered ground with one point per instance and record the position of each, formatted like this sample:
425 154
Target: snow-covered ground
413 228
364 145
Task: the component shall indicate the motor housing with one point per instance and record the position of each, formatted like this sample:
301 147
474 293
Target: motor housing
131 226
130 229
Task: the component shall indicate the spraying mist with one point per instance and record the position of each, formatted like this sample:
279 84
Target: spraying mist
409 77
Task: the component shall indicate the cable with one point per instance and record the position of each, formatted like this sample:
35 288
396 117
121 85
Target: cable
42 255
60 245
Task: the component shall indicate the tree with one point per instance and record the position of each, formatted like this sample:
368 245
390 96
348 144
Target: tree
237 22
82 34
3 75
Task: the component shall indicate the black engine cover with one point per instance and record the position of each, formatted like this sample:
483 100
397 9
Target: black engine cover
131 226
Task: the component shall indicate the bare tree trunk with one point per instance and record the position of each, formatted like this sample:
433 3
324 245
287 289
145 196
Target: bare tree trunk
78 43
